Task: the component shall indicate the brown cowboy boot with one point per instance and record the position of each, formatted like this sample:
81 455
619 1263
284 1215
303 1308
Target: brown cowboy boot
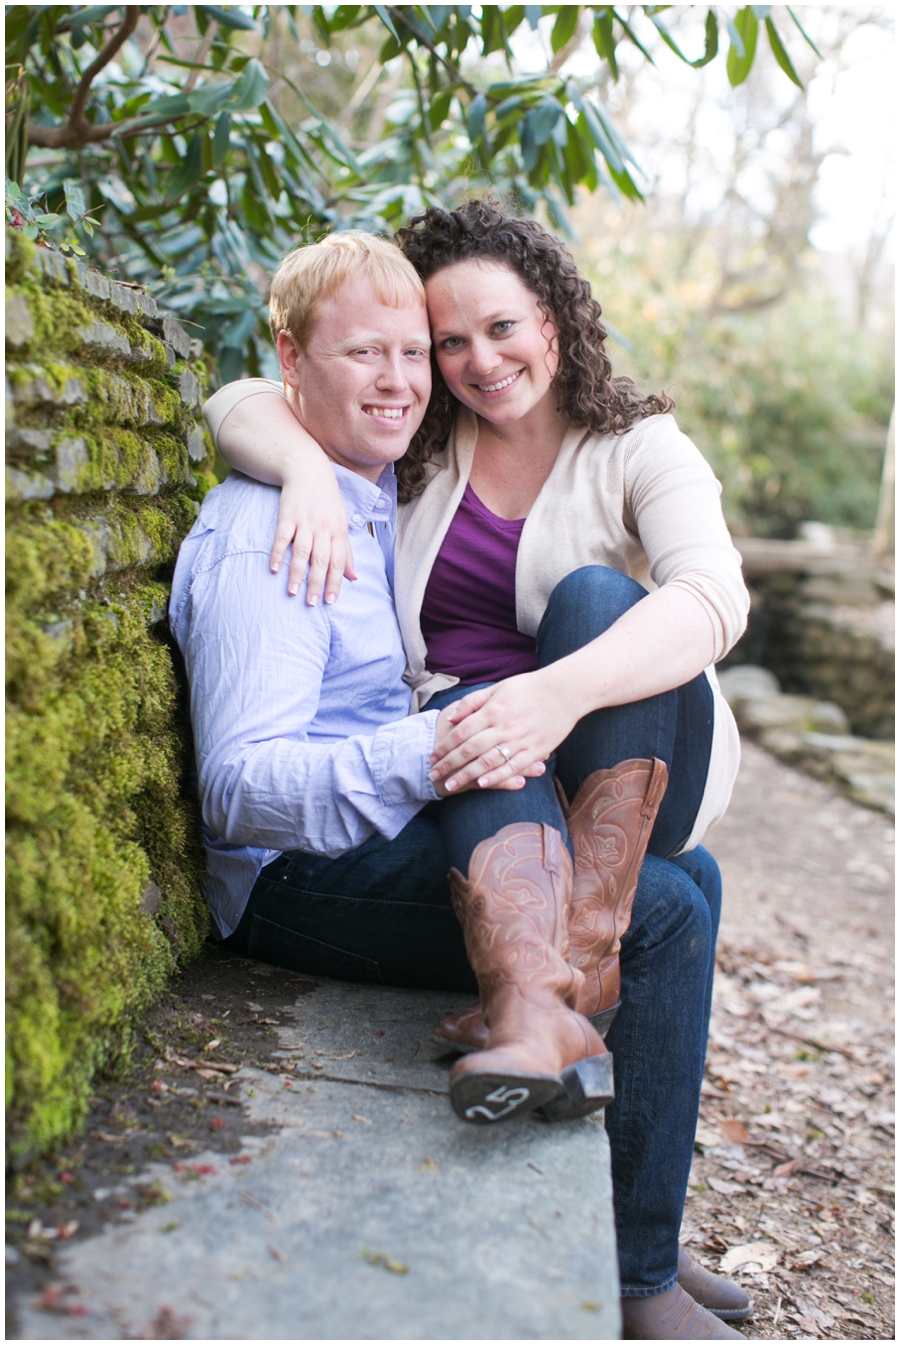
720 1296
610 822
672 1315
514 911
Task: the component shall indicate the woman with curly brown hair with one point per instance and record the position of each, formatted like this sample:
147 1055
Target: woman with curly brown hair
563 573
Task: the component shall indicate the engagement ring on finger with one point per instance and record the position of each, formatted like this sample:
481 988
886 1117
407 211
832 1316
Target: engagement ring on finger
506 752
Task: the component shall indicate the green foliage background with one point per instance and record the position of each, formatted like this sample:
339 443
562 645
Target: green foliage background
789 403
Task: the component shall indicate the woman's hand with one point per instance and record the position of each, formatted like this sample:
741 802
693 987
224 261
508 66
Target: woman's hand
511 780
314 523
262 438
528 715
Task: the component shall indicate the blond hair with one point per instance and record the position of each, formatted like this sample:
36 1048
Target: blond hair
309 275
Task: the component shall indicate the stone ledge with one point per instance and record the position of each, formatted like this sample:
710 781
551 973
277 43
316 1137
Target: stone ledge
370 1212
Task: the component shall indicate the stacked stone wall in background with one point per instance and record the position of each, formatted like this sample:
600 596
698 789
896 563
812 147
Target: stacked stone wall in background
106 463
824 624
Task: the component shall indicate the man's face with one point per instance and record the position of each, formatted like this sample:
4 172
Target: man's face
362 384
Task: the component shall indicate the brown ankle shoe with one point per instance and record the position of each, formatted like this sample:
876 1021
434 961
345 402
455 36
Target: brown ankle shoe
610 821
514 911
720 1296
671 1316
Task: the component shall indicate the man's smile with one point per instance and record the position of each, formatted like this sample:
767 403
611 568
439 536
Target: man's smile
386 412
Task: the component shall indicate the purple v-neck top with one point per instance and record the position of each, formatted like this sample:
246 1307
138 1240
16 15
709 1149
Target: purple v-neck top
469 609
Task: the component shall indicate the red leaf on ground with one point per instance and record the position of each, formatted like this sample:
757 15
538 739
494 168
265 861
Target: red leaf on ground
734 1132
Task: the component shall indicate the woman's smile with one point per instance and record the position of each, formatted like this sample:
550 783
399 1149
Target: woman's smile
501 386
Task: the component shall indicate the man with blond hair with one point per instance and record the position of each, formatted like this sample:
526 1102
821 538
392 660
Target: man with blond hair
312 772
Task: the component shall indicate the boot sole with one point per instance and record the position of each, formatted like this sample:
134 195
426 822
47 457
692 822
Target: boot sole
730 1314
587 1087
602 1021
484 1099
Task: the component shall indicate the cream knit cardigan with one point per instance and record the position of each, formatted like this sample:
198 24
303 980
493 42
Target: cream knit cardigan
645 503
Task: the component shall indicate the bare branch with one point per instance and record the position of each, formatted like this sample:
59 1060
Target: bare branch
77 130
118 40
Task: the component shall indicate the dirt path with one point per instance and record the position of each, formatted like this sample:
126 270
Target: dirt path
795 1145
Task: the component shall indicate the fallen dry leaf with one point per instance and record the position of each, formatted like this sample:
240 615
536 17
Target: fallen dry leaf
764 1255
734 1132
724 1188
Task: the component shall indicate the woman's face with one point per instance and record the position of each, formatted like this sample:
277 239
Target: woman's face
497 351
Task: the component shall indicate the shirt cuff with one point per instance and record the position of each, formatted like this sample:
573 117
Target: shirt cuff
401 761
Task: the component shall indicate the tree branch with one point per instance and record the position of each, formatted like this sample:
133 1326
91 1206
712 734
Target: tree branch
132 14
77 130
400 17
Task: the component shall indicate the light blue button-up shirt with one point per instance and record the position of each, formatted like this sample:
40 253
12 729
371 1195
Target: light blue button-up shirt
301 720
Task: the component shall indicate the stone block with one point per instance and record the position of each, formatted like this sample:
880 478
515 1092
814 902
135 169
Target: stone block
92 281
39 389
151 898
146 304
71 461
103 340
19 322
62 633
799 714
150 477
140 355
21 486
29 443
189 388
135 403
170 329
746 680
123 297
195 445
53 265
171 357
99 535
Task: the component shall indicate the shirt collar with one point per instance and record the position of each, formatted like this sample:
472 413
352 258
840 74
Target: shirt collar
367 501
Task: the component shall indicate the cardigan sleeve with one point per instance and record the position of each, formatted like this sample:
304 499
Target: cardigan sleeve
673 500
226 399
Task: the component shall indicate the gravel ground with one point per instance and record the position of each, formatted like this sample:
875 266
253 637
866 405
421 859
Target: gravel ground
793 1174
792 1188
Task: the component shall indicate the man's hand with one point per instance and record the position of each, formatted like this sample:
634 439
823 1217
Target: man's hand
528 716
509 779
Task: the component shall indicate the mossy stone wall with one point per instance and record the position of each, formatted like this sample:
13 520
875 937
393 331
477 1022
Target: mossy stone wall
107 461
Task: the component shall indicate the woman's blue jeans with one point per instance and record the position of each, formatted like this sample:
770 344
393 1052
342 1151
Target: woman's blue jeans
382 913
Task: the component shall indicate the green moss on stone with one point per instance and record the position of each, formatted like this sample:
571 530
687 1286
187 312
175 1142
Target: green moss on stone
98 802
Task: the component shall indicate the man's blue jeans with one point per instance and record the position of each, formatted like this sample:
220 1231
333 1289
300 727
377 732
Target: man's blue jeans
382 913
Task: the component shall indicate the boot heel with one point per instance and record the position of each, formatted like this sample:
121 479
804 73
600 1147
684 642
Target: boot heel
587 1086
603 1020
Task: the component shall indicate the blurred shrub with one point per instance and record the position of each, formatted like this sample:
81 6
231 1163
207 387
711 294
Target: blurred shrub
787 402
